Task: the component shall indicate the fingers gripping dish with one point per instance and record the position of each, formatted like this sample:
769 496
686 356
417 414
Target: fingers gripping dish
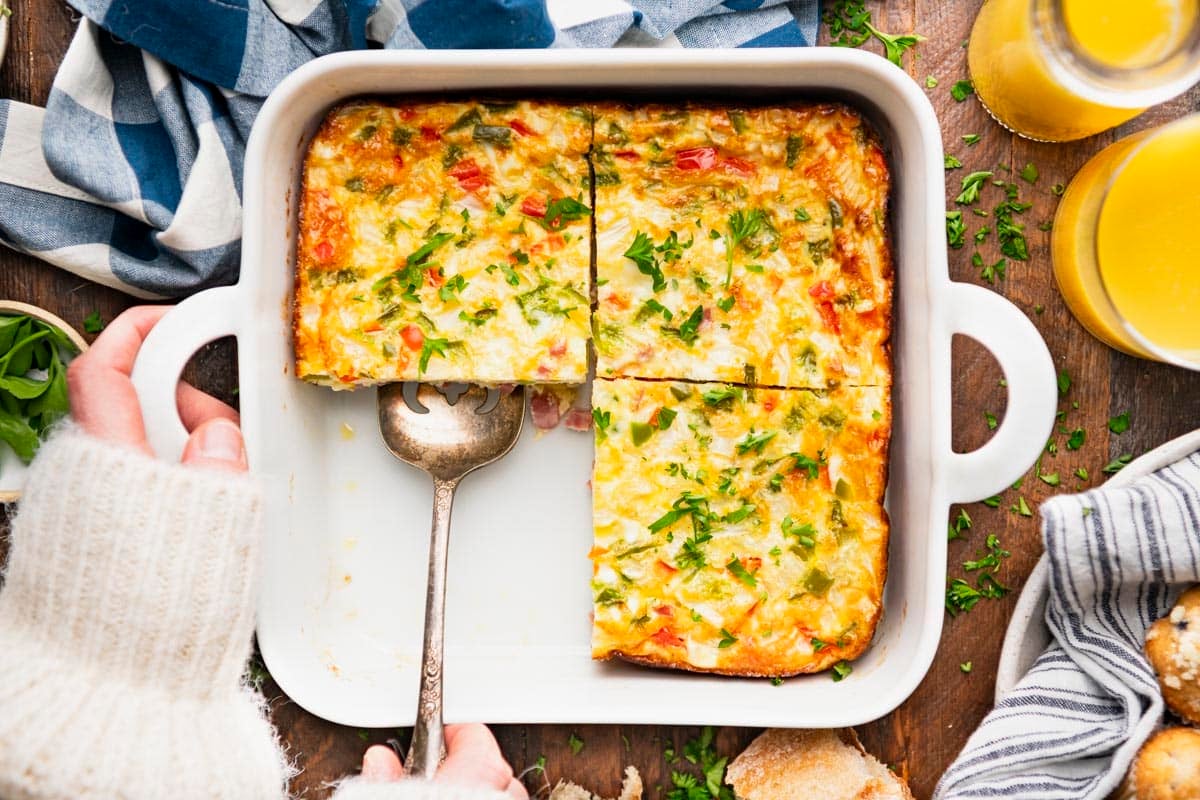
740 316
445 241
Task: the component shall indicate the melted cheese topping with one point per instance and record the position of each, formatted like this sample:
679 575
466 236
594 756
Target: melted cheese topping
738 531
767 227
445 241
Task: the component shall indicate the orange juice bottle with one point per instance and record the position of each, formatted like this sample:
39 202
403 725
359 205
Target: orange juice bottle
1056 70
1126 244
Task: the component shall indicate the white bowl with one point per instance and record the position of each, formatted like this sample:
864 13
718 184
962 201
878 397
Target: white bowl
340 612
1028 636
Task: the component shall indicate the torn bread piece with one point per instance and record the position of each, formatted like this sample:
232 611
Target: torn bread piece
631 789
803 764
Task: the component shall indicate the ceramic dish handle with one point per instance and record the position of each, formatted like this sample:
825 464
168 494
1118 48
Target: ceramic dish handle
195 322
1028 369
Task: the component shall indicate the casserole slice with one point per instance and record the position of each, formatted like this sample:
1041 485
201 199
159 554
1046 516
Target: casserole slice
741 245
737 530
445 241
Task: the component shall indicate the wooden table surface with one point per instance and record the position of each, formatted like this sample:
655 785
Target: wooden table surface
921 737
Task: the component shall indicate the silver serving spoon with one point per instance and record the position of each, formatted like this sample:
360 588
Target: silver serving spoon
447 435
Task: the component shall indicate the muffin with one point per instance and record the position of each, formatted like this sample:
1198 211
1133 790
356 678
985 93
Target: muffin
1166 768
1173 647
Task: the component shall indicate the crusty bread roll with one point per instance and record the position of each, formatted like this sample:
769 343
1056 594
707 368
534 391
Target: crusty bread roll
1166 768
631 789
802 765
1173 647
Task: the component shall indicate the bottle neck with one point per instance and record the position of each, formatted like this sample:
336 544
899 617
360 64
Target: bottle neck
1154 77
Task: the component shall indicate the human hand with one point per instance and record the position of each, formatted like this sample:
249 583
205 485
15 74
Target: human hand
105 404
472 759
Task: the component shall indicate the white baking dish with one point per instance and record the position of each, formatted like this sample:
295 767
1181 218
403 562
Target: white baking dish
342 597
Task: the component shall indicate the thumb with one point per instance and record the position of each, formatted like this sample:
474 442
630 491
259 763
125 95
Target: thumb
381 764
217 444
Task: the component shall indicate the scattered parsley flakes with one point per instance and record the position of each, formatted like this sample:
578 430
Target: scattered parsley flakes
1049 478
1076 439
1119 423
841 670
951 162
92 322
1064 382
1029 173
1057 190
956 230
850 25
990 418
961 523
575 743
992 502
1022 508
931 82
739 571
966 667
971 139
1117 464
1081 473
727 639
961 90
641 253
971 185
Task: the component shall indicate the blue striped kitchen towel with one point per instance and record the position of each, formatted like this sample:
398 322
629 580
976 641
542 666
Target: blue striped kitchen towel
1070 728
132 174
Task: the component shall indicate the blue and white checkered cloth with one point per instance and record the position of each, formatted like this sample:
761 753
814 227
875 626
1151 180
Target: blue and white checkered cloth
1070 728
132 174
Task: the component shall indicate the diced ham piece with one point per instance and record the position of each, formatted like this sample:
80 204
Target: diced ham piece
578 419
544 408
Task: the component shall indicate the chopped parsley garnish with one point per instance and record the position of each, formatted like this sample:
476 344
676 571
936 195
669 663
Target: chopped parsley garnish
93 324
961 523
1022 508
651 308
1117 424
1081 473
850 25
956 230
801 215
609 596
1011 234
727 639
1076 439
726 303
971 185
1049 478
990 418
688 330
966 667
431 347
755 442
1064 382
951 162
411 276
740 513
451 288
602 420
971 139
563 210
990 561
1117 464
1029 173
739 571
575 743
961 90
841 670
931 82
641 252
802 462
1057 190
739 227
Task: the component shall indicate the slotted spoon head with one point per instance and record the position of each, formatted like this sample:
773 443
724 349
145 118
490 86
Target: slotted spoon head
422 427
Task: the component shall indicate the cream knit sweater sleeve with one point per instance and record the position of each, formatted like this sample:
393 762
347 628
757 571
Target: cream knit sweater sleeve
125 622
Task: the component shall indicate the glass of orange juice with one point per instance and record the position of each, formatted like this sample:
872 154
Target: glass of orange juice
1057 70
1126 244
